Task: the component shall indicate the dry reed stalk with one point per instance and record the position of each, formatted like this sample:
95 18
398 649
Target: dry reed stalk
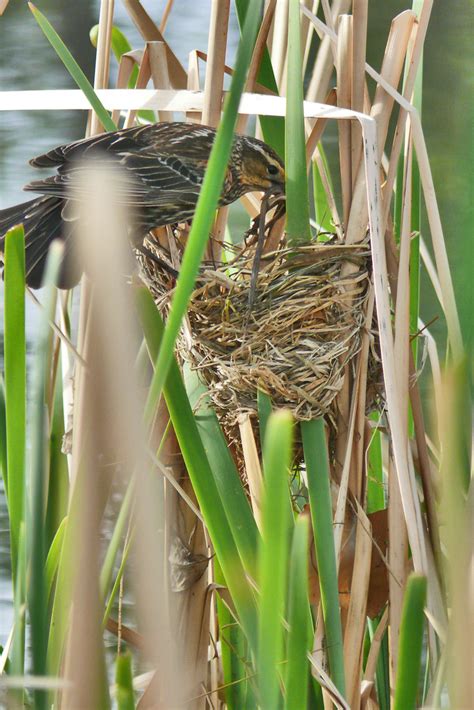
323 65
398 561
431 271
417 412
279 44
317 130
165 15
307 30
414 514
84 664
260 45
158 58
253 469
344 81
344 91
213 91
182 528
217 45
100 81
144 74
185 562
356 616
415 52
392 66
151 33
193 84
359 43
127 63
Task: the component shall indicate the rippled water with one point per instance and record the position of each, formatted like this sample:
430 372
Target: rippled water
27 62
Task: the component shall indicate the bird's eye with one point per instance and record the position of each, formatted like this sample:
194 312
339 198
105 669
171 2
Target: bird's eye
273 170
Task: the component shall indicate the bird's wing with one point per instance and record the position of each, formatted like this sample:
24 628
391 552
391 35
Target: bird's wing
113 142
145 178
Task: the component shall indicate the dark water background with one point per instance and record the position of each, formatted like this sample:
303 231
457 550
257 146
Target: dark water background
28 62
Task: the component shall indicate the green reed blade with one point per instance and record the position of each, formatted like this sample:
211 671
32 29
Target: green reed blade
410 644
15 384
297 202
273 555
36 529
317 468
299 640
124 682
73 68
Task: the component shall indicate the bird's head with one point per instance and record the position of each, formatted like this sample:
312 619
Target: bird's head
260 167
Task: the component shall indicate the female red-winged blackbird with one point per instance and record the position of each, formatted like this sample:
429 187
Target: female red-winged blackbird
164 166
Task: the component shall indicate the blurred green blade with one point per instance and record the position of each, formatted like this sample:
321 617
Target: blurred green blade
17 655
207 203
273 554
15 384
54 554
299 641
124 682
297 205
37 591
116 540
73 68
3 437
317 467
410 644
58 486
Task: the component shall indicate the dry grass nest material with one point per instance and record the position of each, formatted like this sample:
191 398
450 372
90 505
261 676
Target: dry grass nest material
303 328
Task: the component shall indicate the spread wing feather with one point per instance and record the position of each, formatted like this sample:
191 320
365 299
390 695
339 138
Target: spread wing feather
143 179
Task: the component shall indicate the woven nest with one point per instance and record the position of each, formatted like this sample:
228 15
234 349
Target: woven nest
293 342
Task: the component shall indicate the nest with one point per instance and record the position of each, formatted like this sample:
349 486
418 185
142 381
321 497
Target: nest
291 338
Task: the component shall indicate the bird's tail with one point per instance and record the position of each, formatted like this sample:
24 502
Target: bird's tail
42 222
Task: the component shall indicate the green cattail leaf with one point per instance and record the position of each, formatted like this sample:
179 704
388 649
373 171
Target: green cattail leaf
297 203
124 682
299 640
410 644
273 554
317 468
15 385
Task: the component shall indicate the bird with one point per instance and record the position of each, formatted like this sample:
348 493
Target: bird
164 165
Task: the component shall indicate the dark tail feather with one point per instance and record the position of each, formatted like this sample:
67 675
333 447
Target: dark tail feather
42 222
